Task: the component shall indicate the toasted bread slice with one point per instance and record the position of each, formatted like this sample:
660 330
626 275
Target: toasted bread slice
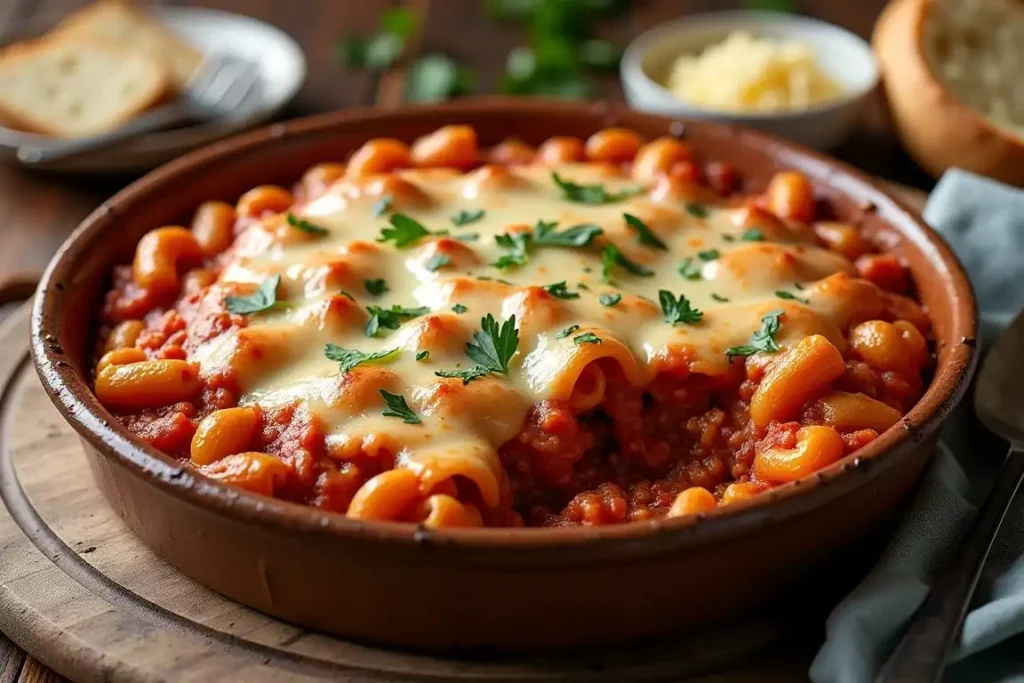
75 89
120 23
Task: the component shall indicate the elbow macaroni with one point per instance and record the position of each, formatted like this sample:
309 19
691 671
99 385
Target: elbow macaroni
328 344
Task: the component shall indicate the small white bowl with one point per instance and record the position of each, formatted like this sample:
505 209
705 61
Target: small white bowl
843 56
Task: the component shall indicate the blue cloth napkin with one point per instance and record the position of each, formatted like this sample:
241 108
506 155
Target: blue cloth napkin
984 223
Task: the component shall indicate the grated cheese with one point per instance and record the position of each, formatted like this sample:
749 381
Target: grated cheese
744 73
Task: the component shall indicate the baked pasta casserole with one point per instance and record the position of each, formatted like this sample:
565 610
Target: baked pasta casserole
587 332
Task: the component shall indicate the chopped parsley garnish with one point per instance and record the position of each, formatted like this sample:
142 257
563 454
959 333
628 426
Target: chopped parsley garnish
607 299
567 331
718 297
560 290
390 318
305 226
263 299
763 339
437 261
403 231
468 236
582 285
347 295
586 338
592 194
678 310
375 287
491 348
382 206
797 285
783 294
611 257
690 269
459 308
349 358
697 210
728 238
397 407
422 355
466 217
709 255
752 235
518 243
644 235
576 236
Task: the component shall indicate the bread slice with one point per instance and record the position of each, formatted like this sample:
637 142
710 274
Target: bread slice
75 89
118 22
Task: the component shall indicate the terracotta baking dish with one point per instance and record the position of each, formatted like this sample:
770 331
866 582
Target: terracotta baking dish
509 589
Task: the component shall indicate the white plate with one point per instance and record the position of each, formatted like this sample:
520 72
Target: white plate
282 72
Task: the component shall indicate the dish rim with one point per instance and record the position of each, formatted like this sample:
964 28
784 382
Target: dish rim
634 75
71 393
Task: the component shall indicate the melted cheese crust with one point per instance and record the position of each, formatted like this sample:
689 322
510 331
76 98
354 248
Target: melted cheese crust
279 357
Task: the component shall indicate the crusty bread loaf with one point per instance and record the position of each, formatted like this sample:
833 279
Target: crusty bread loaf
952 71
118 22
75 89
976 47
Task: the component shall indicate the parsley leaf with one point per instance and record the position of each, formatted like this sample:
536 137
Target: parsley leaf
752 235
468 236
797 285
263 299
690 269
459 308
422 355
518 243
397 407
390 318
306 226
586 338
697 210
437 77
375 287
567 331
403 231
592 194
644 235
718 297
467 375
383 49
678 310
763 339
350 358
437 261
783 294
576 236
491 347
466 217
611 257
709 255
561 291
607 299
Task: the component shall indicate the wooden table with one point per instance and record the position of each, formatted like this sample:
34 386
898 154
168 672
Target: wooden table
37 211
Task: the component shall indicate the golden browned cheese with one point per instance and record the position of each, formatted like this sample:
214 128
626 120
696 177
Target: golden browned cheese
730 271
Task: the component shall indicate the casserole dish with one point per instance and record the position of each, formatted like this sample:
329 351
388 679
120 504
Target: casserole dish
509 588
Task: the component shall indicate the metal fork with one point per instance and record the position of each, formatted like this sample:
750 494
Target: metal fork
222 86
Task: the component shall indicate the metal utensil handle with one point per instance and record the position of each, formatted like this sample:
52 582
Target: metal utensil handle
155 120
921 655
